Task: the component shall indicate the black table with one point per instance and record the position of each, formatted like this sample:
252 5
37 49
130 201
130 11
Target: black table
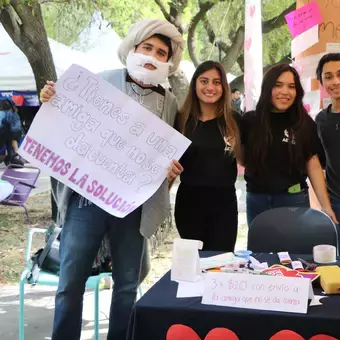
159 308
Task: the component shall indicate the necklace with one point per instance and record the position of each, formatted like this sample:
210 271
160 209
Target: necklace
139 97
140 94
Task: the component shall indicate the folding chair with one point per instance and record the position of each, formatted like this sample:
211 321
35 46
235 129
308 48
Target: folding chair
23 178
296 230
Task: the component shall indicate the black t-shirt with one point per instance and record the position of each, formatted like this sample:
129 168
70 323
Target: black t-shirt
277 175
328 123
206 162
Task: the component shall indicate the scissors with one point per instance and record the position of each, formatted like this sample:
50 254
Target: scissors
309 266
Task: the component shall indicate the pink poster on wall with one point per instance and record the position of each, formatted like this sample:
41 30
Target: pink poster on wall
304 18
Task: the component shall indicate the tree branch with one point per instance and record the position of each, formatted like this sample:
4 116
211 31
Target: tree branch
167 15
54 1
239 82
203 9
233 51
10 21
240 61
211 34
278 21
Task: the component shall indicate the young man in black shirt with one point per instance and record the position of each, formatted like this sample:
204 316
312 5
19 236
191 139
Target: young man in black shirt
328 124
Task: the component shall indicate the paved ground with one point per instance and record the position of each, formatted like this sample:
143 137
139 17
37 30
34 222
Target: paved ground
39 302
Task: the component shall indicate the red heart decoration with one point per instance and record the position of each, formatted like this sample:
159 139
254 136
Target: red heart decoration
281 271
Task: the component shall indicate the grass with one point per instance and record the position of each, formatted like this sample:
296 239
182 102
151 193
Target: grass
13 235
13 240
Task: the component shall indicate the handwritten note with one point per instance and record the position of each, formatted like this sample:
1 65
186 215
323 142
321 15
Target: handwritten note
262 292
101 143
304 41
185 260
333 47
303 19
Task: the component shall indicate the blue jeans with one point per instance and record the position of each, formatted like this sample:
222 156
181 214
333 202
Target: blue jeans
258 203
81 237
336 208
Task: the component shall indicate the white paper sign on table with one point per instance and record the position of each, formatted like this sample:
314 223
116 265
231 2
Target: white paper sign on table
264 292
304 41
101 143
185 260
191 289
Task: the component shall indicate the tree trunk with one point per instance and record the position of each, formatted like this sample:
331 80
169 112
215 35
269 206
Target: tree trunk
24 24
179 85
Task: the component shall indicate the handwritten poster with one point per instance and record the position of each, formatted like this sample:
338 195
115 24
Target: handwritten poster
303 19
265 292
101 143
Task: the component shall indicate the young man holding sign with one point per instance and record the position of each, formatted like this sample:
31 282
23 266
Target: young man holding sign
151 51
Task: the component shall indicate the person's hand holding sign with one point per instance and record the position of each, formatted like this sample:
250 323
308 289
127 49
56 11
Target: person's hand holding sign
47 92
174 170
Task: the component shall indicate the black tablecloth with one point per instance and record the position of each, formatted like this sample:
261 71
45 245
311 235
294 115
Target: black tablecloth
159 308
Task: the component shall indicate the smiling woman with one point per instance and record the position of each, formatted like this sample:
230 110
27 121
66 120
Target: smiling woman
281 147
206 205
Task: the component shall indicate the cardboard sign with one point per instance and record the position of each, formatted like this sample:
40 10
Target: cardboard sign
303 19
263 292
101 143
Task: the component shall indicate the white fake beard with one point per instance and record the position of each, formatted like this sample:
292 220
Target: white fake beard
135 65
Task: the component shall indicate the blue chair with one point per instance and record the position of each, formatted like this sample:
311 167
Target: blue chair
296 230
48 279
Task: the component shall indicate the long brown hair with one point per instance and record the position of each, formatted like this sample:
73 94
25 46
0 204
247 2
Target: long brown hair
261 135
191 107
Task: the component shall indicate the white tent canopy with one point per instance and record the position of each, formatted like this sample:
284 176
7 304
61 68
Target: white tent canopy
100 43
16 73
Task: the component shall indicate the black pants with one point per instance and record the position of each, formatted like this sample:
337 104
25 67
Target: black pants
207 214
